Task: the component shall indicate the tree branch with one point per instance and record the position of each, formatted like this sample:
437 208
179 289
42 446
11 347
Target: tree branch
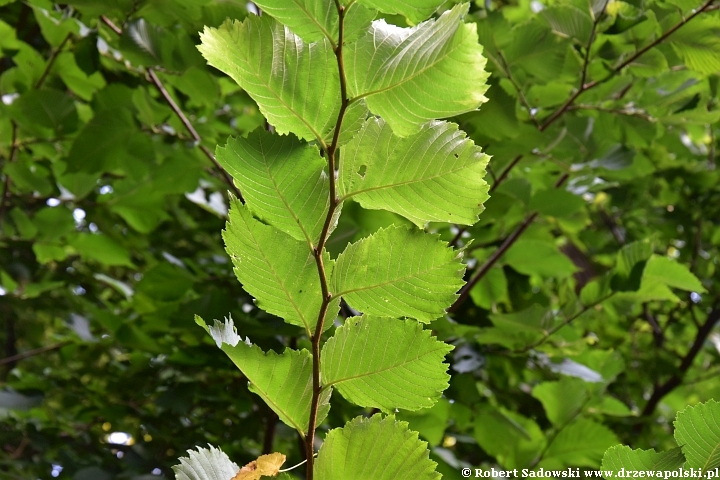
32 353
584 87
6 184
51 61
496 183
153 78
507 243
675 380
320 248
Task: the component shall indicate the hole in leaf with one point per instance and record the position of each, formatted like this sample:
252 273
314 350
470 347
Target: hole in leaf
362 170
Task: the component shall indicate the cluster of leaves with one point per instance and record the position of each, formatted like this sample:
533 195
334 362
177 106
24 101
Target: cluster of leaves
588 315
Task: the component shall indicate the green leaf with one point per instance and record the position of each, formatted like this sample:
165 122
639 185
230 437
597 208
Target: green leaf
165 282
23 223
632 254
621 456
562 400
537 257
284 381
101 248
313 20
435 175
398 272
385 363
282 180
48 108
276 269
512 439
582 443
205 464
411 75
518 329
671 273
556 202
491 289
697 431
569 21
374 448
108 141
414 10
295 84
698 44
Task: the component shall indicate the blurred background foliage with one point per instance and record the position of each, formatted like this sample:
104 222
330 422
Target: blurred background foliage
589 317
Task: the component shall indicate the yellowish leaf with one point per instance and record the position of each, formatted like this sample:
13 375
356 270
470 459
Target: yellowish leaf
264 466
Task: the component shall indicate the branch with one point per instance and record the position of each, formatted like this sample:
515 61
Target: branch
320 248
179 113
584 87
32 353
564 324
11 158
658 334
51 61
506 171
507 243
496 183
153 78
660 391
519 91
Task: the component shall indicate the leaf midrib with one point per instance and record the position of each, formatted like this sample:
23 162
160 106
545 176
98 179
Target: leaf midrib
376 372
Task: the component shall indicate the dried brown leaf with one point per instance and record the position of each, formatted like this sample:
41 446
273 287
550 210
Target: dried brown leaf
265 466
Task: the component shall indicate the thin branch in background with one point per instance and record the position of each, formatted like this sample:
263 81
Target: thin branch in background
179 113
51 61
657 331
506 171
153 78
504 247
32 353
6 184
617 111
521 95
675 380
564 324
612 226
271 420
584 87
496 183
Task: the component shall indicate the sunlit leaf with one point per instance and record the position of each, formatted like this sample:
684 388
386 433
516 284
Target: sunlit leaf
434 175
411 75
380 448
385 363
284 381
398 272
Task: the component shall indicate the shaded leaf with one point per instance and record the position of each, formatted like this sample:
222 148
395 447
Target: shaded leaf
582 443
621 456
562 400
